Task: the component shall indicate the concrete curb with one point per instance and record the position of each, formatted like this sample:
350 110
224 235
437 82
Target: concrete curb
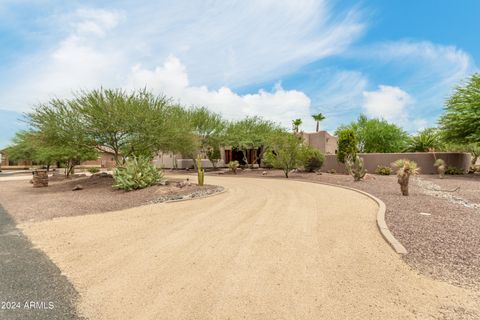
381 224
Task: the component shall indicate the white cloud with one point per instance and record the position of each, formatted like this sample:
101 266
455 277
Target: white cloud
223 44
171 79
389 103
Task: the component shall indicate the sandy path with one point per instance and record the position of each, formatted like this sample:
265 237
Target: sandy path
265 249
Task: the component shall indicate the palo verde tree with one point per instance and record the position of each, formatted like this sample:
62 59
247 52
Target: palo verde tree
377 135
318 118
60 133
134 123
251 133
460 122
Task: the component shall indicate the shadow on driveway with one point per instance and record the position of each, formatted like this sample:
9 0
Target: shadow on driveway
31 286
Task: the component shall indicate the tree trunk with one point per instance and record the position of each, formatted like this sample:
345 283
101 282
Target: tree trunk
403 181
318 125
286 173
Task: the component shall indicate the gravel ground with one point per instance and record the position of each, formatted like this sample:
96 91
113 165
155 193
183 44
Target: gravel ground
25 203
444 241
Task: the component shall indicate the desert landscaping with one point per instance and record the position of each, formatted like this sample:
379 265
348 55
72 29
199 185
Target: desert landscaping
241 160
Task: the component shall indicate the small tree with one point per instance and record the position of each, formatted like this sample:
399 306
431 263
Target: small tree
286 152
406 168
318 118
213 154
347 144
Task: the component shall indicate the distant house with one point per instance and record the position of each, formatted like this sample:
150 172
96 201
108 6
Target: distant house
6 162
106 159
322 140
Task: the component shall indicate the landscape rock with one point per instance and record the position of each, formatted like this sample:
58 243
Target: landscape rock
77 187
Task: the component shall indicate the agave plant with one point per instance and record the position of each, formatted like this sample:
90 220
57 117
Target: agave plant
441 167
406 168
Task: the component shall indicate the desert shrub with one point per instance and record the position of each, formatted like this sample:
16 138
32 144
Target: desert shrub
383 170
313 160
332 171
138 173
454 171
93 170
233 165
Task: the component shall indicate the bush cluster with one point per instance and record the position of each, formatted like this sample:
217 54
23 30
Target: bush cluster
313 160
383 170
454 171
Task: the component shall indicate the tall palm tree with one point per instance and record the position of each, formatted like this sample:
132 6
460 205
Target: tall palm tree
296 124
318 117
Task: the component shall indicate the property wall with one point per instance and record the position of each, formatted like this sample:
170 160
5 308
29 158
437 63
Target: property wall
425 161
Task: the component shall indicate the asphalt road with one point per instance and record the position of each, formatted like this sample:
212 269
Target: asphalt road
31 286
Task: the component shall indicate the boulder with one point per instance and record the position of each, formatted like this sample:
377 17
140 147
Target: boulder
77 187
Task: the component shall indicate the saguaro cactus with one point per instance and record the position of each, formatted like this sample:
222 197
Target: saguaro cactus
201 171
355 167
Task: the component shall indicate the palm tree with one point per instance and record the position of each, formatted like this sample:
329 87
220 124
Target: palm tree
318 117
296 124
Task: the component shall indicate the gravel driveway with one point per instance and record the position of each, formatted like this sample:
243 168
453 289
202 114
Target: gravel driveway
265 249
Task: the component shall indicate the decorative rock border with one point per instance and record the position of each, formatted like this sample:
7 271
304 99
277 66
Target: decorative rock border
199 194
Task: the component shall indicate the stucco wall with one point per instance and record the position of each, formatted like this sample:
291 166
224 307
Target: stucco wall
425 161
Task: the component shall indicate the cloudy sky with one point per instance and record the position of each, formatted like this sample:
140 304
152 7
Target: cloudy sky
279 59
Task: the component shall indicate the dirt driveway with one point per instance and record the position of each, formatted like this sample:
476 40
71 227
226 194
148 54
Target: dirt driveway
265 249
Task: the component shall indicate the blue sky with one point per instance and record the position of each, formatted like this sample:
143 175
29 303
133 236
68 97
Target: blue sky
398 60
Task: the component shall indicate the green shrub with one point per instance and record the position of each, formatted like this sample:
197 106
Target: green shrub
233 165
347 145
454 171
93 170
383 170
138 173
313 160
